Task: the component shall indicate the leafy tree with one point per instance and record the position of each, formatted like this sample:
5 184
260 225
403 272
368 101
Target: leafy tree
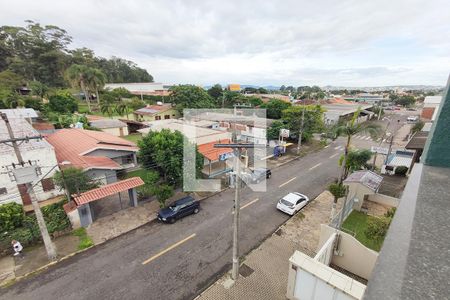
255 101
136 103
10 81
163 151
39 89
282 88
233 98
190 96
356 160
13 100
77 180
273 131
11 216
215 91
107 106
401 170
275 108
79 75
351 128
33 103
405 100
62 102
162 193
96 80
338 190
122 109
313 120
418 126
262 90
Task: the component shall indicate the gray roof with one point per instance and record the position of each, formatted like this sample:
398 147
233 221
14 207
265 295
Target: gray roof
107 123
20 113
367 178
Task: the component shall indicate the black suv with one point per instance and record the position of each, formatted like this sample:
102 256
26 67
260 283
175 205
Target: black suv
180 208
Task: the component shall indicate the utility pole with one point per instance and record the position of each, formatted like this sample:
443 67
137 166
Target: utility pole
237 201
49 246
300 134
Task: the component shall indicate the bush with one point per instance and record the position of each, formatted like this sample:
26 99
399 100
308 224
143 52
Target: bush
377 228
11 216
163 192
390 213
85 240
55 217
401 170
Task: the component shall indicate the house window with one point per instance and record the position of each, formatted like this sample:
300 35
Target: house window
166 117
3 191
157 118
47 184
173 115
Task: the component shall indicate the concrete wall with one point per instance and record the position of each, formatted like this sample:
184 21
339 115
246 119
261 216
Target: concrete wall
74 218
45 158
353 256
384 200
358 190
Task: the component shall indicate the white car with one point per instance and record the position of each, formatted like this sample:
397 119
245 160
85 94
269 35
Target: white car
292 203
412 119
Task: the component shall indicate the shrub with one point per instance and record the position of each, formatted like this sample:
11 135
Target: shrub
55 217
401 170
163 192
377 228
11 216
85 240
390 213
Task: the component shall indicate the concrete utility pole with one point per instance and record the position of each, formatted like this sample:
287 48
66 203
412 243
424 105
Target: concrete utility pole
237 202
300 134
49 246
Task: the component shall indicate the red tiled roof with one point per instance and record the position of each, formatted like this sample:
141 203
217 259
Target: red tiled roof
108 190
73 144
211 153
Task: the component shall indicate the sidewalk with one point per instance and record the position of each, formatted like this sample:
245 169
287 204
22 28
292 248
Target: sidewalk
264 272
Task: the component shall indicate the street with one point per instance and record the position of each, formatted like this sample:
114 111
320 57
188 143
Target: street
162 261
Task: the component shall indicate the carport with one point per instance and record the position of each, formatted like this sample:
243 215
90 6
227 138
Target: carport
86 202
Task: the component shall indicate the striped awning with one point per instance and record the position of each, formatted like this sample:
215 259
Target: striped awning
108 190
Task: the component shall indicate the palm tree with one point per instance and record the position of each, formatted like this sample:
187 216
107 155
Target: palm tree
122 108
78 76
350 129
107 107
96 81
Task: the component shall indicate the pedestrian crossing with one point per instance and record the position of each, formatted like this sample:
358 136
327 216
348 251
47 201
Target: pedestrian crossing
367 138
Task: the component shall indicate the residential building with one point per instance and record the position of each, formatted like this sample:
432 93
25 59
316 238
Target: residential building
334 113
430 105
28 114
234 87
142 88
37 151
414 262
112 126
99 153
160 111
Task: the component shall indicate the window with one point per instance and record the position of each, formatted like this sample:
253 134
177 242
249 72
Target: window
47 184
166 117
157 118
3 191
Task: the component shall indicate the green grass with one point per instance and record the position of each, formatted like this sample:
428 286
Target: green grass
357 222
85 240
138 173
135 137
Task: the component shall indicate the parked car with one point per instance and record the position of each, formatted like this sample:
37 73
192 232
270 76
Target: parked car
260 174
292 203
412 119
411 109
179 209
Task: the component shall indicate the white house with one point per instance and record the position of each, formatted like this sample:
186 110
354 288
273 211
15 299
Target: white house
39 152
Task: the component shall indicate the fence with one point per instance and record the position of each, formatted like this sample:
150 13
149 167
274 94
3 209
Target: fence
346 210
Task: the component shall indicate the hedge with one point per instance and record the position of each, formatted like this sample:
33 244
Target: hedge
27 232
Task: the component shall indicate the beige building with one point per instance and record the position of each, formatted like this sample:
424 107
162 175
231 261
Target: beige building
160 111
112 126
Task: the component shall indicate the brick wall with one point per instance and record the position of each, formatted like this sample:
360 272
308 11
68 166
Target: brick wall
427 112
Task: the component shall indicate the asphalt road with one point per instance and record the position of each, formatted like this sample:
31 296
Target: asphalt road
184 258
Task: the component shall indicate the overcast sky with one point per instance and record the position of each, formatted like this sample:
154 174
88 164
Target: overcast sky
339 42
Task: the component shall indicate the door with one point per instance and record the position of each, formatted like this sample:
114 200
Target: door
26 199
300 203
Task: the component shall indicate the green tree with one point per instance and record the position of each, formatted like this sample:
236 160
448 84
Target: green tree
78 76
255 101
190 96
163 151
77 180
136 103
62 102
273 131
377 228
356 160
351 128
162 193
96 80
275 108
39 89
215 91
122 109
313 120
107 107
338 190
417 127
405 100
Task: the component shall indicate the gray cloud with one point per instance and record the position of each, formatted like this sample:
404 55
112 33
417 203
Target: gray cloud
188 40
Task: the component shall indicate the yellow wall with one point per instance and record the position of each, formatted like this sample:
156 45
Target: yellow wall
173 113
